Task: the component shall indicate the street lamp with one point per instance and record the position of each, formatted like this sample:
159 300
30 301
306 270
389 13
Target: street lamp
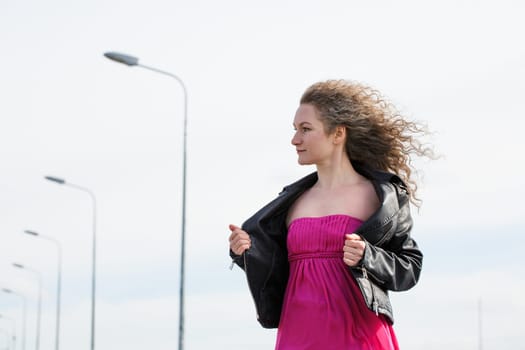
39 311
59 278
134 61
13 339
94 258
9 291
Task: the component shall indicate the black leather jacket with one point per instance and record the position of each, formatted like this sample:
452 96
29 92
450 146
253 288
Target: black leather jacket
391 261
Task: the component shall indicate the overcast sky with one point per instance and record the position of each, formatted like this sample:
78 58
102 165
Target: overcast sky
67 111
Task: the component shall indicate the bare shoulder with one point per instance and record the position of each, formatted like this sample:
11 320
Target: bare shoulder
367 199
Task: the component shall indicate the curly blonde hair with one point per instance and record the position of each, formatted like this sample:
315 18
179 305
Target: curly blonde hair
377 136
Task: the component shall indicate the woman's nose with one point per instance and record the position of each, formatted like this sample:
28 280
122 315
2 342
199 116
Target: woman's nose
295 140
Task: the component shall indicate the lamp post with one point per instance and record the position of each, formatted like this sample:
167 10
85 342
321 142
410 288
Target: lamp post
94 248
134 61
480 326
39 309
9 291
13 338
59 279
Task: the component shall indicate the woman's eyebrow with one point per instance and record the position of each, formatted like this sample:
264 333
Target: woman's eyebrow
302 123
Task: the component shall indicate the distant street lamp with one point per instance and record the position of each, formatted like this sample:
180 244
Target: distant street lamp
59 279
134 61
13 339
9 291
94 258
39 311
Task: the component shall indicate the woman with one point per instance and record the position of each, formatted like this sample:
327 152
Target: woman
321 257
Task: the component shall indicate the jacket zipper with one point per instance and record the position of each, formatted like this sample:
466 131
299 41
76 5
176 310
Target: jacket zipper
375 304
233 261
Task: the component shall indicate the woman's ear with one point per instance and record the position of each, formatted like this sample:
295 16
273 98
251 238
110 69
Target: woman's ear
339 134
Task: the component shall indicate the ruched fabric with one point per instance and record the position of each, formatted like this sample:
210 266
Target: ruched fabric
323 307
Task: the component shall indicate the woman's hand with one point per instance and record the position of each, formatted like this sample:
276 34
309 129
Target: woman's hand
354 249
239 240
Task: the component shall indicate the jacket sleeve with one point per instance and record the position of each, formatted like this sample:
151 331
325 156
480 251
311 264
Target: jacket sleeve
395 264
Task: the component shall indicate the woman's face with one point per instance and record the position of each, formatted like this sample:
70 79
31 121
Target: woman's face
311 142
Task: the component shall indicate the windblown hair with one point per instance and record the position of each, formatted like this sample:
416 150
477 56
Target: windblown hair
377 136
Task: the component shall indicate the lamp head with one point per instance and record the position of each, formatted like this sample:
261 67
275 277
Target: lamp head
29 232
121 58
55 179
20 266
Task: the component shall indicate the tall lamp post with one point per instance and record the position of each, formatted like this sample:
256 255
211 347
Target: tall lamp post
94 248
59 279
9 291
134 61
39 310
13 338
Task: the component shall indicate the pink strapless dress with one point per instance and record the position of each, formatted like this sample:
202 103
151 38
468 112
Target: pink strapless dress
323 307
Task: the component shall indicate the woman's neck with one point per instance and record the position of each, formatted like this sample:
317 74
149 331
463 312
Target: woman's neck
337 174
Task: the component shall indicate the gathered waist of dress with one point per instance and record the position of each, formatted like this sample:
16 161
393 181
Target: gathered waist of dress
316 255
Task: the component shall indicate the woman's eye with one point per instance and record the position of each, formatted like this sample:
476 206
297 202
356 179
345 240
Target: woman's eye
305 129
